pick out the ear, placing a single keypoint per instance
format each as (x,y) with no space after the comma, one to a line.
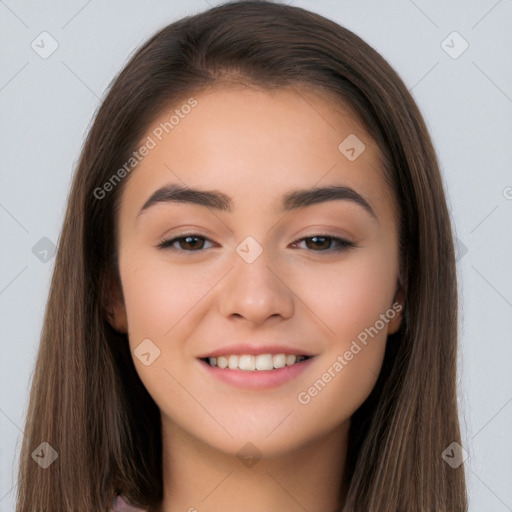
(398,307)
(115,309)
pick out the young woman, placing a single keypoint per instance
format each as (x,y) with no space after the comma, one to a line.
(254,299)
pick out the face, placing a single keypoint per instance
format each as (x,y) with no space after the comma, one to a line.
(254,276)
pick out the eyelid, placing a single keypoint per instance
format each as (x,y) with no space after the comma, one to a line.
(166,242)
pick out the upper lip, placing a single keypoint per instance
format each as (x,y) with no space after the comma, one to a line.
(255,349)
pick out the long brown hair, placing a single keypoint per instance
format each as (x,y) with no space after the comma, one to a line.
(87,400)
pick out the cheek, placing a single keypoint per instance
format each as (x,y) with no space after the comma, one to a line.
(350,296)
(353,308)
(162,303)
(158,296)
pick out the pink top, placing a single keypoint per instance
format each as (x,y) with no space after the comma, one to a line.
(121,504)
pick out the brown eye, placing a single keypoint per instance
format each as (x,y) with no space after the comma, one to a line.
(323,243)
(191,242)
(196,243)
(187,243)
(318,242)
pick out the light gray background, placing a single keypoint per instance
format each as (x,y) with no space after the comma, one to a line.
(47,105)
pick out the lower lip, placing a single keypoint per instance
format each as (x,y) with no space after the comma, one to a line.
(257,379)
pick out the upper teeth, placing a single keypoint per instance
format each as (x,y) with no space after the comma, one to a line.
(250,362)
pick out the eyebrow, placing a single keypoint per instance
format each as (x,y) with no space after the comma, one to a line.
(292,200)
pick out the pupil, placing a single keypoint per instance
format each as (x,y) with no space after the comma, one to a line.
(321,238)
(189,238)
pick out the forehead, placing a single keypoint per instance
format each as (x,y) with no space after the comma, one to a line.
(255,144)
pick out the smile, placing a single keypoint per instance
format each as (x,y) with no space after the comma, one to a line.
(261,362)
(256,372)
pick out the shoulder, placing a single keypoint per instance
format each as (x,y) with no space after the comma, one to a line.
(121,504)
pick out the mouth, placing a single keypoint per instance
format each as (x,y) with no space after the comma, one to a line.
(255,363)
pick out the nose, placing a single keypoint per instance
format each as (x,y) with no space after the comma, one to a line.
(256,291)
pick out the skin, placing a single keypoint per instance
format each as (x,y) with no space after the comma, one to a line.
(254,146)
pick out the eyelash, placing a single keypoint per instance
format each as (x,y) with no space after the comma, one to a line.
(343,245)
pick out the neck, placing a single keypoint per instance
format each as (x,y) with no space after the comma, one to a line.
(200,478)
